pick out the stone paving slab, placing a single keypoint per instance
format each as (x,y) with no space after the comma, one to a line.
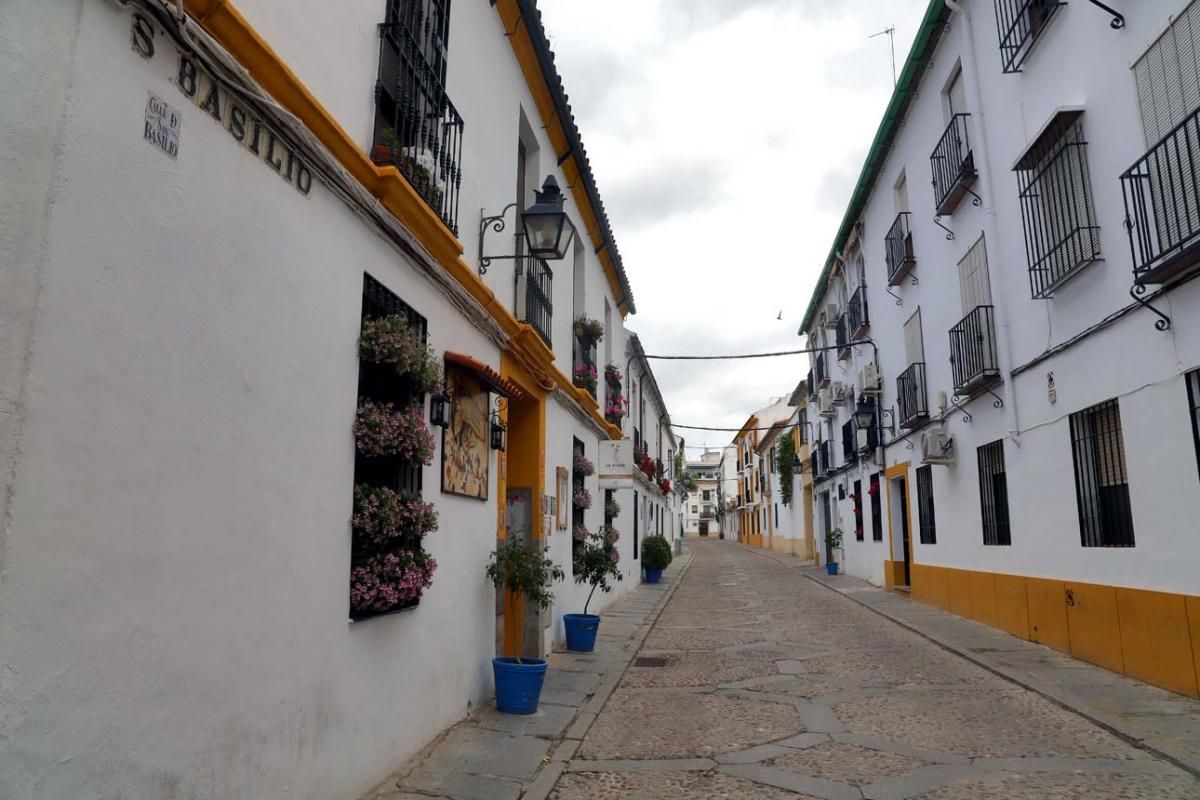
(494,756)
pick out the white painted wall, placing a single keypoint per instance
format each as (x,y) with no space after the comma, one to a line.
(178,370)
(1079,61)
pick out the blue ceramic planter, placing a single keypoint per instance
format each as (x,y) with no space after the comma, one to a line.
(518,686)
(831,567)
(581,631)
(653,575)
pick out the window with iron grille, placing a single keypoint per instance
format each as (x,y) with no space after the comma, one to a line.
(928,532)
(1193,387)
(1101,480)
(858,511)
(381,383)
(1061,234)
(1020,23)
(577,513)
(876,509)
(993,494)
(417,129)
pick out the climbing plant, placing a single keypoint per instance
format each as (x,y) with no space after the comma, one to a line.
(785,462)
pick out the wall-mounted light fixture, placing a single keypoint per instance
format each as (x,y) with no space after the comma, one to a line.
(497,430)
(441,409)
(547,229)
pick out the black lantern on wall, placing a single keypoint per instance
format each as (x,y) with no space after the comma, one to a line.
(546,228)
(864,413)
(441,409)
(499,432)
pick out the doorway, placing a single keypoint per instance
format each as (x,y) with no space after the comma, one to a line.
(826,526)
(901,530)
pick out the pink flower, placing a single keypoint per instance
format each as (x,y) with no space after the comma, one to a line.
(382,430)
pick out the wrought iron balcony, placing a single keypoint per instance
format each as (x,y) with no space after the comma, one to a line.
(417,128)
(1162,206)
(821,374)
(973,351)
(812,386)
(820,459)
(899,249)
(583,365)
(1020,22)
(912,396)
(953,165)
(843,337)
(856,314)
(535,303)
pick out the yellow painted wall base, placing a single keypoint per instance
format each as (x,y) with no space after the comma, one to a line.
(893,574)
(1151,636)
(781,545)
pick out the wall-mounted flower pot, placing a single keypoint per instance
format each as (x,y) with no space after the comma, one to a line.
(581,631)
(831,567)
(518,685)
(653,575)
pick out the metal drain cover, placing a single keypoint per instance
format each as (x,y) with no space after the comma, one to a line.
(649,661)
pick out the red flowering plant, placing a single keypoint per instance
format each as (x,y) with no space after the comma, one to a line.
(382,583)
(646,465)
(586,377)
(391,340)
(665,486)
(380,429)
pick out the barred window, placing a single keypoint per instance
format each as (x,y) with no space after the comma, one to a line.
(876,509)
(1059,218)
(1101,481)
(928,530)
(858,511)
(993,494)
(1193,385)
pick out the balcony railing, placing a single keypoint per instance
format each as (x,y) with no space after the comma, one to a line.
(417,128)
(843,337)
(538,309)
(973,350)
(953,165)
(1162,206)
(857,313)
(821,374)
(820,459)
(1019,23)
(899,249)
(912,396)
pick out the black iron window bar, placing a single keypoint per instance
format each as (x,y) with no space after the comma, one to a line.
(953,165)
(1020,22)
(912,396)
(1101,480)
(1057,212)
(898,250)
(1193,390)
(539,294)
(857,313)
(583,358)
(417,128)
(812,386)
(925,512)
(849,443)
(973,351)
(842,337)
(993,494)
(822,375)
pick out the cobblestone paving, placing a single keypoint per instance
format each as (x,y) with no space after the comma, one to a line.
(763,684)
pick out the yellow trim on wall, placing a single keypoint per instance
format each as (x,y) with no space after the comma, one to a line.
(1151,636)
(234,32)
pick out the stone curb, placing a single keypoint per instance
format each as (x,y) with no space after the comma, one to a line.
(545,780)
(1112,725)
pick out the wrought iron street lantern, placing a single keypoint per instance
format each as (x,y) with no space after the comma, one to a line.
(497,430)
(864,413)
(547,229)
(441,409)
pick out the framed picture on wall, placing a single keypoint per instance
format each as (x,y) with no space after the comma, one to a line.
(562,483)
(465,446)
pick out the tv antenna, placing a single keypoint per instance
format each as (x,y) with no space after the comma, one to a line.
(890,32)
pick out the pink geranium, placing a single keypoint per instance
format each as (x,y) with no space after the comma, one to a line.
(384,582)
(380,429)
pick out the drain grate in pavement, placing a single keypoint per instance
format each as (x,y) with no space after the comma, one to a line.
(649,661)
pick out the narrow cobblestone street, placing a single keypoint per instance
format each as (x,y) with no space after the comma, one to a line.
(759,683)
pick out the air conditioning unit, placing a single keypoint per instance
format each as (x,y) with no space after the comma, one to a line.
(842,392)
(937,447)
(868,378)
(825,402)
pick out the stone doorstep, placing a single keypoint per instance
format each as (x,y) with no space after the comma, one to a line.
(505,756)
(1155,720)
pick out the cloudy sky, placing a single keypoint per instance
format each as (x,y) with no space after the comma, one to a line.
(726,136)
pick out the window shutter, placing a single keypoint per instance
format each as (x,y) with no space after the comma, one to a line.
(914,346)
(973,278)
(1168,76)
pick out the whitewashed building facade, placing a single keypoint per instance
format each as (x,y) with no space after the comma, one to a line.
(201,212)
(701,508)
(1020,251)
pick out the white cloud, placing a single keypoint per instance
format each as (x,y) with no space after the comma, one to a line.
(725,136)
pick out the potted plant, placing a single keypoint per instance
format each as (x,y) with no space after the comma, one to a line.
(381,429)
(595,564)
(526,573)
(391,340)
(833,541)
(656,556)
(586,377)
(589,330)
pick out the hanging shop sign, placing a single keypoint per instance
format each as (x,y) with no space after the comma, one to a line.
(614,464)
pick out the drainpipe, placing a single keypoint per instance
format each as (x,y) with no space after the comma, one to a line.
(989,216)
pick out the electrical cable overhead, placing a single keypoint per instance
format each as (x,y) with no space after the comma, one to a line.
(801,351)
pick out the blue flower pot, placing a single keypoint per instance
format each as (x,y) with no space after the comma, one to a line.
(831,567)
(581,631)
(653,575)
(518,686)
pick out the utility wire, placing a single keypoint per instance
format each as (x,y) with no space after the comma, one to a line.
(759,355)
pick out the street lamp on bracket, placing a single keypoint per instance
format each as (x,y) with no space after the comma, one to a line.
(547,230)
